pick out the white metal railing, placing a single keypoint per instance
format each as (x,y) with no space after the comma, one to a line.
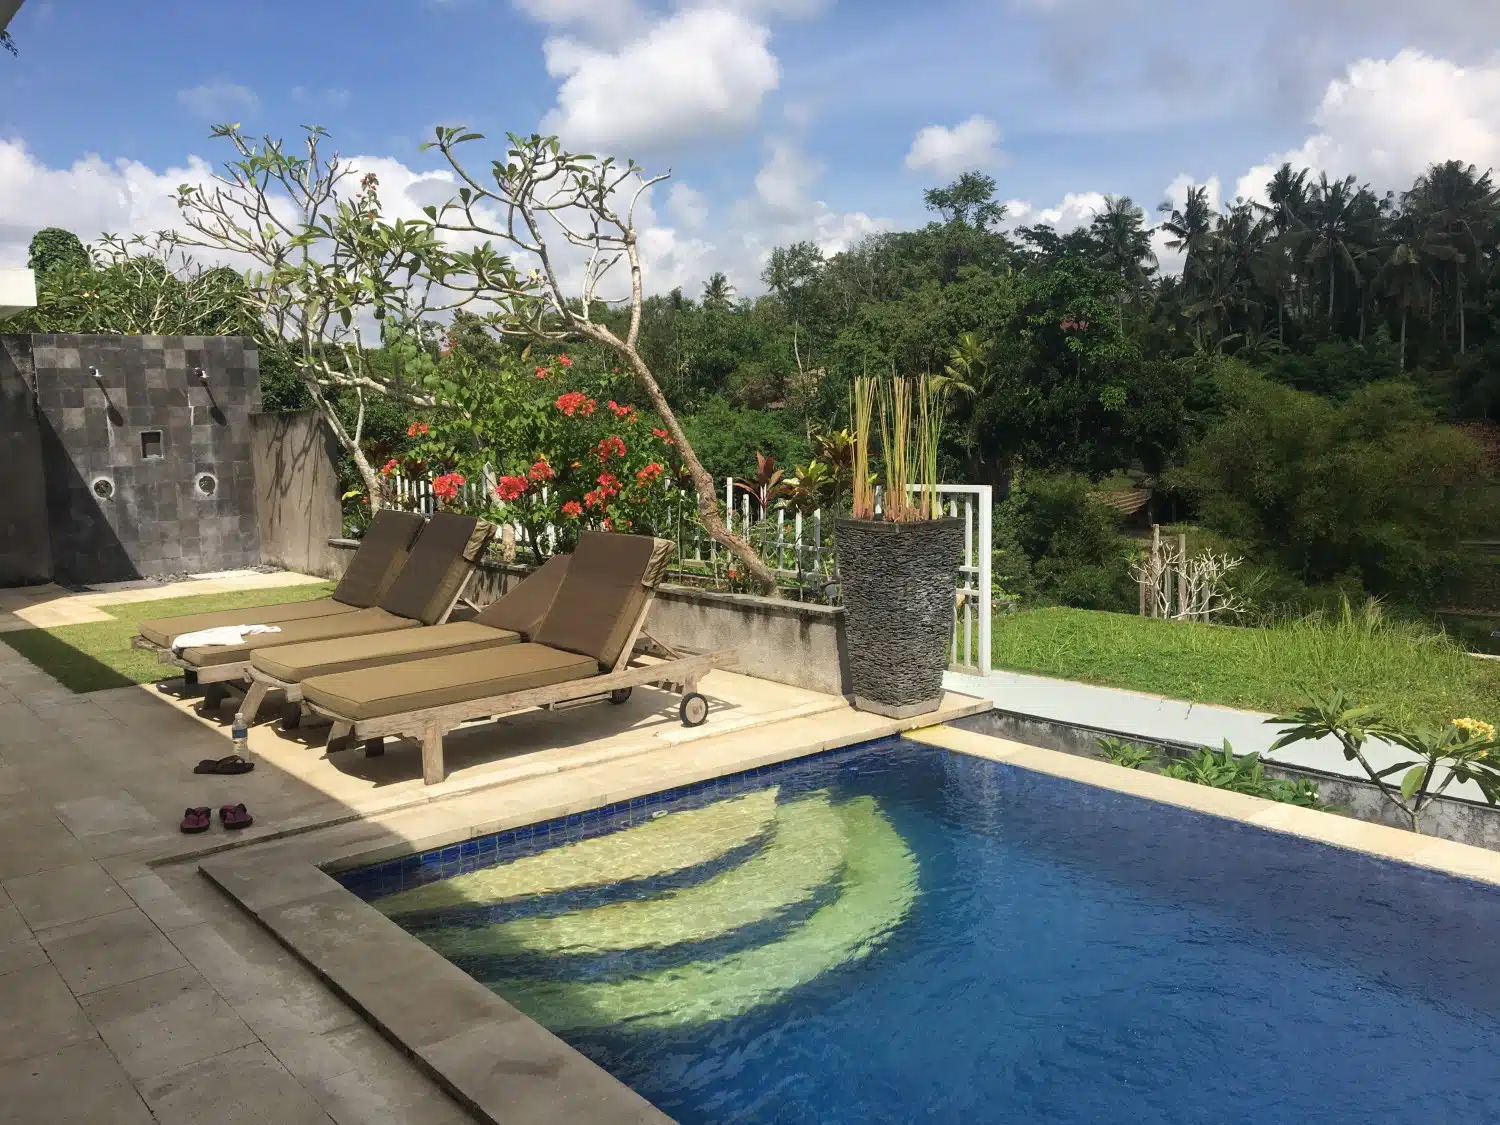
(800,546)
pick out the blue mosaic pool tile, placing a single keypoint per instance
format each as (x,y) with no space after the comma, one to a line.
(472,855)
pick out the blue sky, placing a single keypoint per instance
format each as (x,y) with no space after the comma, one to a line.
(785,118)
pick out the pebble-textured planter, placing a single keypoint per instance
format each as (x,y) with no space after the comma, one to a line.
(898,583)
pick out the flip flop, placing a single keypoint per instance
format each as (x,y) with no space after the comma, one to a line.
(235,816)
(232,764)
(197,820)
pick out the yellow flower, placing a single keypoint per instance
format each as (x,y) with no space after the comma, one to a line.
(1475,729)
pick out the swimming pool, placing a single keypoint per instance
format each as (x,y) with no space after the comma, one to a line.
(898,933)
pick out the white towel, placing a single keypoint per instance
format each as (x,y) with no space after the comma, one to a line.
(223,635)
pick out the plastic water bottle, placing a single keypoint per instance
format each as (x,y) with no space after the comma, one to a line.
(241,735)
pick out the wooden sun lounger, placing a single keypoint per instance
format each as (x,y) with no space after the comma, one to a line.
(409,589)
(637,661)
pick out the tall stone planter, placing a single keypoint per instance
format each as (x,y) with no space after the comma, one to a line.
(898,582)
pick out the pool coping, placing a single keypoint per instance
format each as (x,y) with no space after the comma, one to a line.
(1464,861)
(495,1061)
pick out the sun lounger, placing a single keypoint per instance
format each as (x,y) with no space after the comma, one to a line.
(424,592)
(510,620)
(584,650)
(380,557)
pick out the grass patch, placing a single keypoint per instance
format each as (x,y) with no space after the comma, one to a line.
(98,655)
(1414,675)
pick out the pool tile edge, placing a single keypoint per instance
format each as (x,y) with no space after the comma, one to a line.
(1463,861)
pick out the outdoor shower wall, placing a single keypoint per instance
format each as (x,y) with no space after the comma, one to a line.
(25,550)
(146,453)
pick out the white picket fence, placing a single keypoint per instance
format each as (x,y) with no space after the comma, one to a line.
(802,546)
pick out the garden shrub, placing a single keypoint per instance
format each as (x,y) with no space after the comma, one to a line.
(1074,553)
(1371,491)
(727,438)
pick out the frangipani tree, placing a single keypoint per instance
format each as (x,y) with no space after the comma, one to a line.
(571,219)
(324,268)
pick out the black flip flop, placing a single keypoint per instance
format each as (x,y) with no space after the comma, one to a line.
(196,820)
(235,816)
(232,764)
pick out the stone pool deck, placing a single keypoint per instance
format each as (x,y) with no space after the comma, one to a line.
(45,607)
(133,990)
(1132,714)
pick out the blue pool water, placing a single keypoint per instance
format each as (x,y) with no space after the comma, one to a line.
(900,934)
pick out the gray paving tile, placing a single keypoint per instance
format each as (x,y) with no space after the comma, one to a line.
(79,1085)
(29,848)
(320,1056)
(164,1022)
(38,1014)
(398,1093)
(246,1086)
(160,902)
(102,952)
(18,949)
(68,894)
(113,812)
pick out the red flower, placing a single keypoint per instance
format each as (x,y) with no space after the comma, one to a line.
(661,433)
(588,406)
(626,412)
(614,445)
(389,467)
(607,525)
(446,487)
(571,402)
(416,428)
(572,508)
(564,360)
(541,372)
(594,499)
(510,488)
(609,484)
(541,471)
(649,473)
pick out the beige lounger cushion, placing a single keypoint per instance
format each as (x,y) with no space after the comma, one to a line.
(381,555)
(164,630)
(440,681)
(601,595)
(292,664)
(354,624)
(522,609)
(437,568)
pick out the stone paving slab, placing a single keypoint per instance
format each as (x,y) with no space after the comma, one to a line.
(1131,714)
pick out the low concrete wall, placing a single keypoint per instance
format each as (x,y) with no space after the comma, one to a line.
(782,641)
(296,492)
(1463,821)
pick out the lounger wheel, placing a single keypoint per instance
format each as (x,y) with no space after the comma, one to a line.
(291,716)
(693,710)
(620,694)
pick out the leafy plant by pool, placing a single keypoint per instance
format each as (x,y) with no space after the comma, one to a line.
(1218,769)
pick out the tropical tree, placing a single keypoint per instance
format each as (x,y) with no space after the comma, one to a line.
(1190,228)
(717,292)
(549,207)
(1453,199)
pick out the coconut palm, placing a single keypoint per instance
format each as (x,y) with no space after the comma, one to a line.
(717,291)
(1190,227)
(1408,263)
(1454,200)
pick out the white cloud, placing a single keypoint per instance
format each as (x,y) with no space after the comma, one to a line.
(970,144)
(602,16)
(1076,210)
(1386,120)
(688,206)
(219,99)
(695,74)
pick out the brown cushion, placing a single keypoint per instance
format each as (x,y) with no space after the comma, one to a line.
(164,630)
(601,595)
(353,624)
(381,555)
(522,609)
(294,663)
(442,681)
(437,568)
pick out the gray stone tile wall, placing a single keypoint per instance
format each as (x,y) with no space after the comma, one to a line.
(154,519)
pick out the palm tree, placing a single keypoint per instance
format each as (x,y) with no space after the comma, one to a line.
(1407,266)
(1339,228)
(1190,228)
(1453,200)
(1286,203)
(717,291)
(1124,245)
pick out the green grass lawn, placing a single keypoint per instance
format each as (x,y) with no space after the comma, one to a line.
(1412,675)
(98,655)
